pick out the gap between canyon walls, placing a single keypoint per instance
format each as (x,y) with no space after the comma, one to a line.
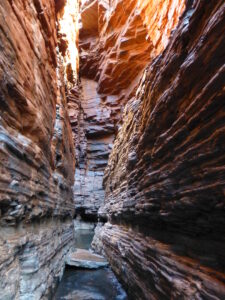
(37,158)
(117,39)
(164,180)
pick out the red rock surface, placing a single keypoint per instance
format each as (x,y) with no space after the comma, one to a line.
(36,152)
(116,41)
(164,181)
(126,35)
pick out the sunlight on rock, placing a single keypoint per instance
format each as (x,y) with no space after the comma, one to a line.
(68,28)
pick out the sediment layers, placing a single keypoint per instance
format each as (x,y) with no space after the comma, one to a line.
(126,35)
(95,133)
(116,42)
(37,157)
(164,182)
(33,258)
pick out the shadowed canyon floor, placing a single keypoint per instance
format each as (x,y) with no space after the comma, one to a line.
(112,117)
(84,284)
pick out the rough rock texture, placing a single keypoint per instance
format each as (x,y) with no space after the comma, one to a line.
(67,16)
(116,41)
(165,178)
(36,152)
(126,35)
(33,258)
(94,133)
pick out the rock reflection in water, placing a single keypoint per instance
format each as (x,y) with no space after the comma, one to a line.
(81,284)
(90,285)
(83,238)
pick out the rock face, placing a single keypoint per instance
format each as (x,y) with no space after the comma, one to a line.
(94,132)
(125,36)
(164,182)
(37,157)
(116,41)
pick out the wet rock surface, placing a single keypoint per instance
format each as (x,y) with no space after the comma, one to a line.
(90,285)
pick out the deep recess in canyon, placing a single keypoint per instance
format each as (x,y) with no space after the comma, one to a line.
(113,112)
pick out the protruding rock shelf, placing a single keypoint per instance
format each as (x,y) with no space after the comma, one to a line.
(84,283)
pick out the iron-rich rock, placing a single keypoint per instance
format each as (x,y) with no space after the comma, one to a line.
(37,157)
(164,182)
(117,39)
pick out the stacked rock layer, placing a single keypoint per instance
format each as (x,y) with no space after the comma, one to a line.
(117,39)
(164,182)
(94,132)
(37,157)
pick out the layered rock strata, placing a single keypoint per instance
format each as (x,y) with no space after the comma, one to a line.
(164,181)
(95,133)
(37,157)
(118,38)
(116,41)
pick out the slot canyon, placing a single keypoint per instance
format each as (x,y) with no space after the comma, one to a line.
(112,117)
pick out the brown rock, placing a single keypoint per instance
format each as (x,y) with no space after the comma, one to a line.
(116,42)
(37,157)
(164,182)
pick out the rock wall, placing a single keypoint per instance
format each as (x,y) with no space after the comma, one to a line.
(116,41)
(37,157)
(95,136)
(125,36)
(164,182)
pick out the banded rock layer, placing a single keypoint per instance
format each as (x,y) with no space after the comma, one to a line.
(164,182)
(36,152)
(117,39)
(94,132)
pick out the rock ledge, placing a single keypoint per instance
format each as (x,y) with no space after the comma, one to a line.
(82,258)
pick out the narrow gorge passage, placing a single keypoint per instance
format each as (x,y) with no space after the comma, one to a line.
(88,283)
(112,149)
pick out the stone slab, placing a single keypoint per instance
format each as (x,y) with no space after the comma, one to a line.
(82,258)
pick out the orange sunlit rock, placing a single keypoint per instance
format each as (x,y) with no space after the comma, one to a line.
(68,32)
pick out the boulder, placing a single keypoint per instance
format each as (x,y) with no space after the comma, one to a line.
(82,258)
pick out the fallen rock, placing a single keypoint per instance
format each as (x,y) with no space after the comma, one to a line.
(82,258)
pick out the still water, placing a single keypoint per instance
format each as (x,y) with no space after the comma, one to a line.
(80,284)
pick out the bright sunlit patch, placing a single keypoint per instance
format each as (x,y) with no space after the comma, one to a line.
(69,27)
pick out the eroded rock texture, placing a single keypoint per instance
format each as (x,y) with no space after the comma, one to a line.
(94,135)
(165,178)
(118,38)
(36,152)
(116,41)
